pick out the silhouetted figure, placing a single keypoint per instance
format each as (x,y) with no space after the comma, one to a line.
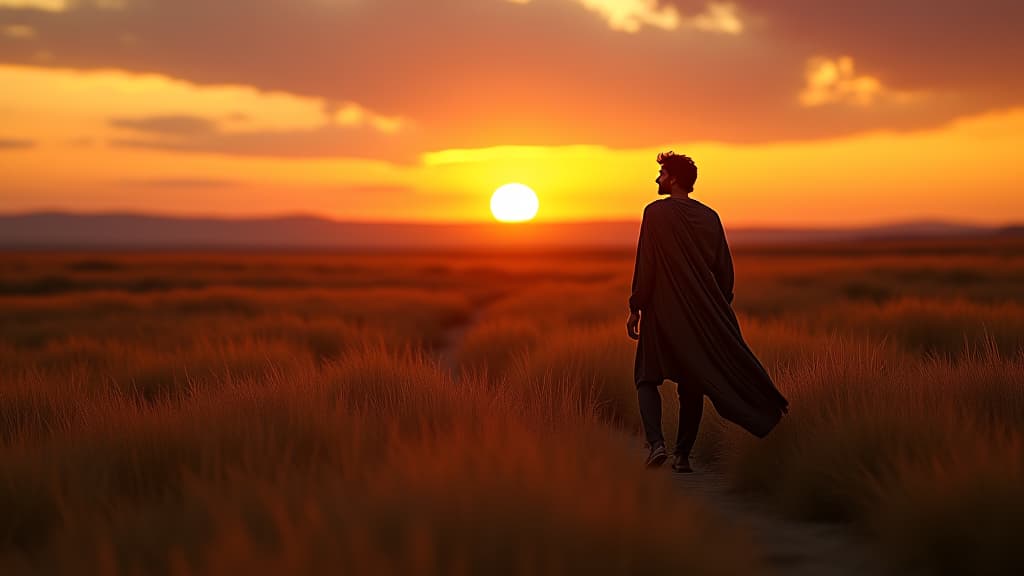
(681,313)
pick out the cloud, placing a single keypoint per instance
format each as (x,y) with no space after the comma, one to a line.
(179,183)
(910,45)
(352,114)
(45,5)
(834,80)
(718,17)
(15,144)
(633,15)
(205,135)
(146,111)
(167,125)
(18,31)
(64,5)
(430,76)
(100,94)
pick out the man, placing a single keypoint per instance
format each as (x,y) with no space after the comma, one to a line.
(681,313)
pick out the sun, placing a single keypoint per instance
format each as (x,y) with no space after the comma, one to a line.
(514,203)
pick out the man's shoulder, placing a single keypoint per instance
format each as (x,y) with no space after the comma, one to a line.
(707,213)
(704,207)
(655,205)
(662,204)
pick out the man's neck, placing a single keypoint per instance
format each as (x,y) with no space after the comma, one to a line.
(680,195)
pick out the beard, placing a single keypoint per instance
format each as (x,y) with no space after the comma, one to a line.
(663,190)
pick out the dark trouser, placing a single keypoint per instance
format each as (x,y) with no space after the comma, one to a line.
(691,408)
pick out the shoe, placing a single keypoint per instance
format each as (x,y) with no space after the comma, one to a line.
(681,463)
(657,456)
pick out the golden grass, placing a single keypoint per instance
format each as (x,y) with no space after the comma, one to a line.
(935,326)
(922,453)
(377,462)
(209,432)
(206,413)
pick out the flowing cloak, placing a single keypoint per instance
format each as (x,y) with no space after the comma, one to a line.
(683,287)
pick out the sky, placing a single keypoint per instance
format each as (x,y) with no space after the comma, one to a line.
(797,112)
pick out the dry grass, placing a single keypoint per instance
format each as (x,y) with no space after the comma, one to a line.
(375,462)
(204,413)
(923,454)
(305,430)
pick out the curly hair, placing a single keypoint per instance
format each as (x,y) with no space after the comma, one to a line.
(680,167)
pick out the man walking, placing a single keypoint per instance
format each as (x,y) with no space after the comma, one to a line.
(681,313)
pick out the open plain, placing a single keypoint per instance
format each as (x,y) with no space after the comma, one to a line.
(460,413)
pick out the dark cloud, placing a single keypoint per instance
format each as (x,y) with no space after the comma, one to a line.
(473,73)
(197,134)
(960,46)
(15,144)
(179,183)
(167,125)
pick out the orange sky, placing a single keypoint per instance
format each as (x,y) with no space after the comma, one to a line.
(403,110)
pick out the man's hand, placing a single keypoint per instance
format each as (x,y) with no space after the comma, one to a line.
(631,325)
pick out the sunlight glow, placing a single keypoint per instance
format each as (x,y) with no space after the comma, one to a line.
(514,203)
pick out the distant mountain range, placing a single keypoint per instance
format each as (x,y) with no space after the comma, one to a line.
(124,230)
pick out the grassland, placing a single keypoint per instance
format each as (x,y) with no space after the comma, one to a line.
(194,413)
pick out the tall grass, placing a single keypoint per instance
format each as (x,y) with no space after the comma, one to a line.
(921,453)
(406,315)
(945,327)
(907,400)
(203,413)
(377,462)
(220,439)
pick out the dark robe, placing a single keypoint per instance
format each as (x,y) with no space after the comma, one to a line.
(683,288)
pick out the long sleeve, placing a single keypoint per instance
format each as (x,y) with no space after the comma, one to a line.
(643,269)
(724,274)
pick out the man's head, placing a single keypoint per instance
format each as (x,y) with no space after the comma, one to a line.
(677,171)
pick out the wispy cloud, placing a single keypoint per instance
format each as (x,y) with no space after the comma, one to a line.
(194,134)
(167,125)
(16,144)
(718,17)
(836,81)
(65,5)
(178,183)
(18,31)
(46,5)
(634,15)
(352,114)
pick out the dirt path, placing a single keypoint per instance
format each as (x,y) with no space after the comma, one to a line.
(445,353)
(450,343)
(788,547)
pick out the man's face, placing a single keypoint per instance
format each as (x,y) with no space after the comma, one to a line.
(664,182)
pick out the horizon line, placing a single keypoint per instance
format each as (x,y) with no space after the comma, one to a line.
(917,221)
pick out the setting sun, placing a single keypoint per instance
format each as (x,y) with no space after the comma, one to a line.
(514,203)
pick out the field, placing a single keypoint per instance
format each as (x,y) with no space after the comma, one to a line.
(459,413)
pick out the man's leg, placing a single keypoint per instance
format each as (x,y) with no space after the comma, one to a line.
(691,408)
(650,412)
